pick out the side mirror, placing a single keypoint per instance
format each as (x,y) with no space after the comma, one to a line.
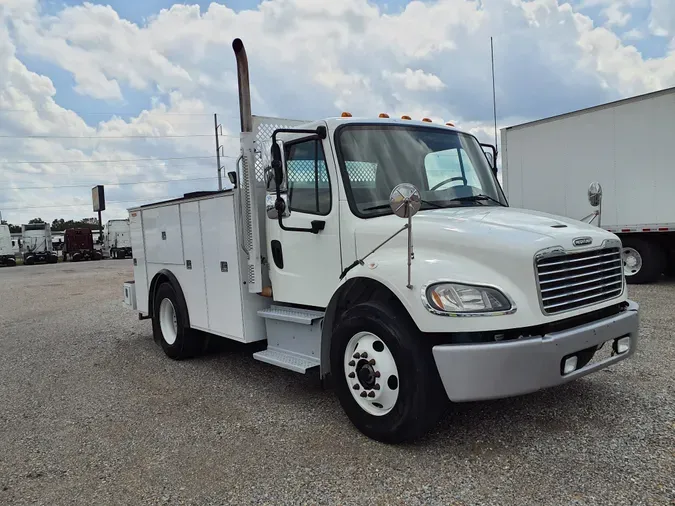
(405,200)
(595,194)
(277,166)
(271,206)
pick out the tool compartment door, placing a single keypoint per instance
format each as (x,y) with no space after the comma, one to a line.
(138,253)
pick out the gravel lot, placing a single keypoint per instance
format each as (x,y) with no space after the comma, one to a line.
(92,412)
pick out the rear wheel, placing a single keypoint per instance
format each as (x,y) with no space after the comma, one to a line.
(385,375)
(169,325)
(643,261)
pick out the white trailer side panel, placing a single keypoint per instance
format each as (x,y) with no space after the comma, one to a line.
(193,281)
(548,165)
(140,269)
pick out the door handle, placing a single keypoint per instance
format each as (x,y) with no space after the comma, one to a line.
(317,226)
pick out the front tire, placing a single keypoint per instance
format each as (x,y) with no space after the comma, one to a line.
(404,397)
(169,325)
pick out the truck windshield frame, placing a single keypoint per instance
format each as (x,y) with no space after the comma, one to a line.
(425,156)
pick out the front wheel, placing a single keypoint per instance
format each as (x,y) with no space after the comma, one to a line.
(385,375)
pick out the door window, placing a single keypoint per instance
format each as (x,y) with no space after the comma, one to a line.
(307,177)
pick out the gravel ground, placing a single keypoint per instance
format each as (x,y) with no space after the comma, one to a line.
(93,413)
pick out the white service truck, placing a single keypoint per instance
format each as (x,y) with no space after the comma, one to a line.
(37,244)
(382,252)
(117,239)
(625,147)
(7,255)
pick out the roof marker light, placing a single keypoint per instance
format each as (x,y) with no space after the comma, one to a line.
(450,124)
(383,115)
(346,114)
(427,120)
(405,117)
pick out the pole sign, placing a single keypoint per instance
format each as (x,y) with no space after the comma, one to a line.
(98,198)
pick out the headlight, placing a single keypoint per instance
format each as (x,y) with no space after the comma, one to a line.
(460,298)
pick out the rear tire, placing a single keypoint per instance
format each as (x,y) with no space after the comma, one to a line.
(409,401)
(169,325)
(643,261)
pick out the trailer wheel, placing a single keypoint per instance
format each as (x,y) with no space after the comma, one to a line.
(30,260)
(385,375)
(643,261)
(168,325)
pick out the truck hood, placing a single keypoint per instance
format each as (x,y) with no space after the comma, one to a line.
(473,229)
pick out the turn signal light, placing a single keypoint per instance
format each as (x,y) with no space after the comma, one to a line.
(427,120)
(383,115)
(346,114)
(405,117)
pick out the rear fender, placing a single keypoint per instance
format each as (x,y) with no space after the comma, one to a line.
(166,276)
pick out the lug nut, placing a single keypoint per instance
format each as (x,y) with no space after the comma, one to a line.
(351,375)
(364,355)
(377,374)
(356,355)
(363,394)
(370,394)
(356,387)
(377,386)
(352,363)
(371,361)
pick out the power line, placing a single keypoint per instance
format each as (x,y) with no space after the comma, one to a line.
(50,162)
(74,176)
(110,113)
(110,183)
(89,203)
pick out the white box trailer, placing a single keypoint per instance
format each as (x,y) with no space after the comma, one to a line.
(117,238)
(625,146)
(382,253)
(7,255)
(37,244)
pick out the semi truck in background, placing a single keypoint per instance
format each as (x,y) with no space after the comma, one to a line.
(381,252)
(625,147)
(7,255)
(78,244)
(37,244)
(117,240)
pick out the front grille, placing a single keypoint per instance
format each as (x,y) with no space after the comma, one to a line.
(573,280)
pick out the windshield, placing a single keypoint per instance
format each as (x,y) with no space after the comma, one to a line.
(449,168)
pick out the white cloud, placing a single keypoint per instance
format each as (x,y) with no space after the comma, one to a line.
(662,18)
(309,59)
(415,80)
(633,34)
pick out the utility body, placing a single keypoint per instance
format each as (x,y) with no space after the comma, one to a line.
(382,252)
(117,239)
(78,244)
(625,146)
(37,244)
(7,255)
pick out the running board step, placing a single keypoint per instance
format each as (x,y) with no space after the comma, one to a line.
(290,314)
(287,360)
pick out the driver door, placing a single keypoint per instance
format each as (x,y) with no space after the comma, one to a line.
(304,267)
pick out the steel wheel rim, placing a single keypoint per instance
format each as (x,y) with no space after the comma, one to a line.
(632,261)
(370,369)
(168,322)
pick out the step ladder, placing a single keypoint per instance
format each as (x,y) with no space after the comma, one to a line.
(293,338)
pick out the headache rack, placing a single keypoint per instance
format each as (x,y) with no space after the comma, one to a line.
(571,280)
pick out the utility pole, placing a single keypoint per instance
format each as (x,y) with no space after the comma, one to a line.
(220,175)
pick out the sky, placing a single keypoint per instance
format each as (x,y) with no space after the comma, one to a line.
(123,93)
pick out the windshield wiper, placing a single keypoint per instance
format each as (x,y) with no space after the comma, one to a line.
(477,198)
(387,206)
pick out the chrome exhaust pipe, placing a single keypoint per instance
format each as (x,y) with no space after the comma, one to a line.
(244,88)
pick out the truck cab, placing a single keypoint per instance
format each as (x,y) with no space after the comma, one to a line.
(37,244)
(384,253)
(78,244)
(7,255)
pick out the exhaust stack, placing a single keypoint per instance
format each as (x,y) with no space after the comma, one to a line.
(244,88)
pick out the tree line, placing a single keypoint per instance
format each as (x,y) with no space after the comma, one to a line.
(58,225)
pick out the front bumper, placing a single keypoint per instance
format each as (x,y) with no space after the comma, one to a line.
(504,369)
